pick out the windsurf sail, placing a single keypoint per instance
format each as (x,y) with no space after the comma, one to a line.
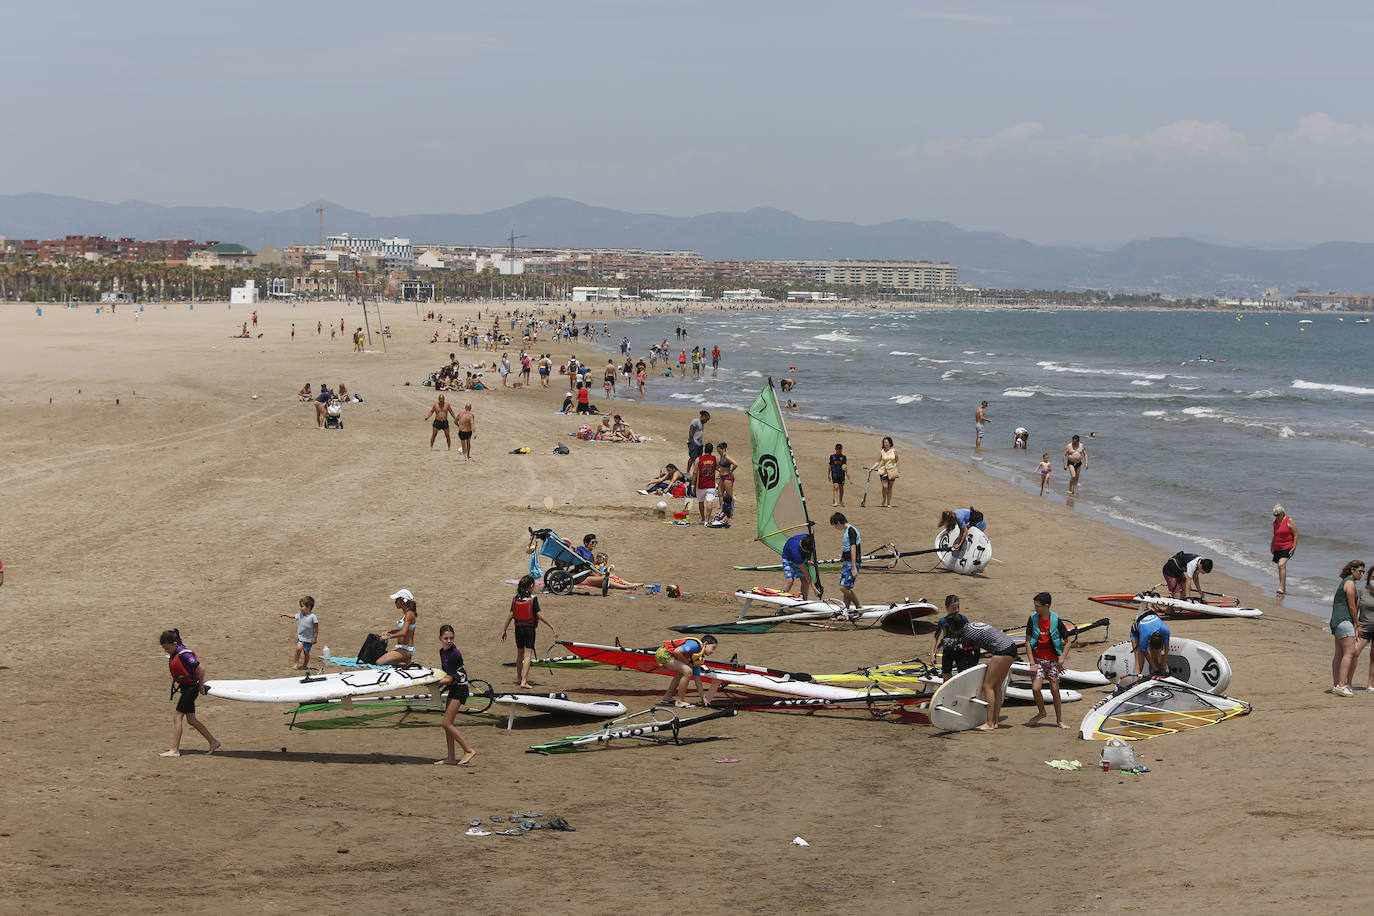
(1164,706)
(659,720)
(779,500)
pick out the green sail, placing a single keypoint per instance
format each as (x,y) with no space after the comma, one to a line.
(781,505)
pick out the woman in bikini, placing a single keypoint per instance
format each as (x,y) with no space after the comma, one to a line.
(403,653)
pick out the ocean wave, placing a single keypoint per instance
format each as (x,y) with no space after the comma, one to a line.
(685,396)
(927,359)
(1200,412)
(899,353)
(1153,413)
(1021,392)
(950,373)
(806,347)
(753,373)
(1264,393)
(1339,389)
(1051,366)
(907,398)
(1213,547)
(836,337)
(1141,381)
(1185,387)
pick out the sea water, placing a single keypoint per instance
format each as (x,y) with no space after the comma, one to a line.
(1196,423)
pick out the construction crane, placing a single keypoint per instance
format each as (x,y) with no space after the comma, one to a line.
(511,268)
(319,211)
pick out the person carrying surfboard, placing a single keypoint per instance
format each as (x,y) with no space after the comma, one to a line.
(188,682)
(1047,637)
(456,680)
(684,658)
(1001,649)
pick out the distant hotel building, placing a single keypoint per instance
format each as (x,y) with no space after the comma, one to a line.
(887,276)
(398,252)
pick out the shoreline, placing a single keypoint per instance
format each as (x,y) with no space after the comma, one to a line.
(190,504)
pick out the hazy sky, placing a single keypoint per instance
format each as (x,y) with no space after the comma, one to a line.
(1091,121)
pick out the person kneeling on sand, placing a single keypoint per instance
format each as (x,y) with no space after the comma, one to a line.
(684,657)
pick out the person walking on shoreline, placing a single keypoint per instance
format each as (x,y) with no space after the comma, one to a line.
(1075,457)
(1283,546)
(1345,608)
(887,468)
(980,417)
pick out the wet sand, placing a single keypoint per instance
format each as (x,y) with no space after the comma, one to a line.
(190,504)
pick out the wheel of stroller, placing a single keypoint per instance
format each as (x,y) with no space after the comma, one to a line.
(558,581)
(479,695)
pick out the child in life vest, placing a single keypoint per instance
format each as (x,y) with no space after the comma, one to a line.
(188,682)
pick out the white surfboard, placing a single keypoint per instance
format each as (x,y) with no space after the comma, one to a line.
(959,705)
(1176,607)
(1021,691)
(315,688)
(1023,670)
(801,609)
(557,703)
(1190,661)
(975,554)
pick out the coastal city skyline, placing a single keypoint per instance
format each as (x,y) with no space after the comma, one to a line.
(1064,122)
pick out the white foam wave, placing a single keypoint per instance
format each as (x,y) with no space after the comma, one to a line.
(1153,413)
(1202,412)
(899,353)
(1050,366)
(1021,392)
(1185,387)
(806,347)
(753,373)
(1339,389)
(836,337)
(1142,381)
(685,396)
(1263,393)
(907,398)
(951,373)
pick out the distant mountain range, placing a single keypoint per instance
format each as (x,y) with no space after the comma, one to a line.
(1177,266)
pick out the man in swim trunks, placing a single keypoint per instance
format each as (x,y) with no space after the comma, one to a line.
(1075,457)
(980,416)
(850,552)
(441,411)
(466,424)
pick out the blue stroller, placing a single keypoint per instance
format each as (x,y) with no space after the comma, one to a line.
(568,568)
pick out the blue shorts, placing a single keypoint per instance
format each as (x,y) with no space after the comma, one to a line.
(305,646)
(847,574)
(791,570)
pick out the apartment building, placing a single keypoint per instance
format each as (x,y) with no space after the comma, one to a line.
(399,252)
(887,276)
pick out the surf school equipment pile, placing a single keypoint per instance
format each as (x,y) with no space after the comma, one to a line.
(884,557)
(649,725)
(1190,660)
(1164,706)
(795,613)
(314,688)
(1176,607)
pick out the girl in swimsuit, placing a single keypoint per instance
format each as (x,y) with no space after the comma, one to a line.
(404,651)
(726,478)
(1044,469)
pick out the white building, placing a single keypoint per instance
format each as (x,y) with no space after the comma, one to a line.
(247,294)
(744,295)
(397,249)
(677,295)
(595,293)
(797,295)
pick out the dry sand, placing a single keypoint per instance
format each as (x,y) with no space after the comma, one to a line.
(189,504)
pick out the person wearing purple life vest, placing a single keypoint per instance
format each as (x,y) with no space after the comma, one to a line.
(188,682)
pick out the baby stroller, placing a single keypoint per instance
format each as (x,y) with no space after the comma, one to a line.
(568,568)
(333,414)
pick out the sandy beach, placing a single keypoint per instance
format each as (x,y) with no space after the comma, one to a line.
(146,488)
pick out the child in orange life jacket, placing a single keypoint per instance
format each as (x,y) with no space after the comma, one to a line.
(188,682)
(524,611)
(684,657)
(1048,640)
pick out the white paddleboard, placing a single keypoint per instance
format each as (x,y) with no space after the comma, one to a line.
(1175,607)
(798,609)
(557,703)
(971,558)
(959,705)
(1022,669)
(316,688)
(1190,661)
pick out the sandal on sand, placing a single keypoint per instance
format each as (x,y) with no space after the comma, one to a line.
(514,831)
